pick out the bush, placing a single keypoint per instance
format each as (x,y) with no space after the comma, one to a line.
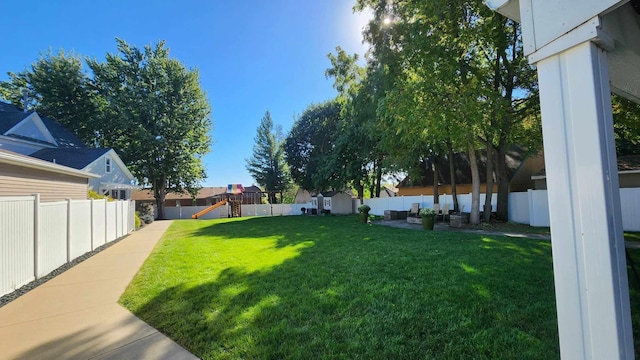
(94,195)
(137,220)
(147,218)
(364,208)
(427,212)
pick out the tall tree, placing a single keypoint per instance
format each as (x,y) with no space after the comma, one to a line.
(309,145)
(56,87)
(155,115)
(267,164)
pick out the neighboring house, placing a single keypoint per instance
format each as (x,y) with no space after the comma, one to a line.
(388,191)
(24,175)
(37,136)
(520,168)
(115,179)
(628,173)
(206,196)
(302,196)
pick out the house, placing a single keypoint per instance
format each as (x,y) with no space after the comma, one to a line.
(520,168)
(206,196)
(22,175)
(30,134)
(302,196)
(115,179)
(628,173)
(388,191)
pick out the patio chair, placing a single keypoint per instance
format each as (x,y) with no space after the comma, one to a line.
(415,210)
(445,211)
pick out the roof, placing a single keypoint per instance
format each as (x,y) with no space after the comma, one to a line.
(11,116)
(626,163)
(9,157)
(514,158)
(77,158)
(203,193)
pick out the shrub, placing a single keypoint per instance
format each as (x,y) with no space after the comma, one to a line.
(364,208)
(94,195)
(147,218)
(137,220)
(427,212)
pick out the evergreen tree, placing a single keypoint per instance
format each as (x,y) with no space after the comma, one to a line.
(267,164)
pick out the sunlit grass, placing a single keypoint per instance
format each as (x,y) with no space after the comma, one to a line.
(309,287)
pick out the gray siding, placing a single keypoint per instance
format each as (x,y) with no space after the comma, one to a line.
(19,181)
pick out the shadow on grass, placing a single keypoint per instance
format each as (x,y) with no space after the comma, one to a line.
(365,292)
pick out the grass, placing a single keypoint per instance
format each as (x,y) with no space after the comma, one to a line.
(331,287)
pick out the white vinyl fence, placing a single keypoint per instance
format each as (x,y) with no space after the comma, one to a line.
(185,212)
(37,238)
(379,205)
(531,207)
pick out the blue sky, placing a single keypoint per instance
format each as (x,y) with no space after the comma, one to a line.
(252,55)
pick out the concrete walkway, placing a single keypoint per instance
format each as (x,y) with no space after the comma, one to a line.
(76,314)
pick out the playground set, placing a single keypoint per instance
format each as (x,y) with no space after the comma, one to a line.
(233,197)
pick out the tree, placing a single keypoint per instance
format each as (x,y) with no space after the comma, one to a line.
(309,145)
(155,115)
(56,87)
(267,165)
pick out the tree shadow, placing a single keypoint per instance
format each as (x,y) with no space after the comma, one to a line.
(367,292)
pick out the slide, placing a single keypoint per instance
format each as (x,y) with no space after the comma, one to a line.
(212,207)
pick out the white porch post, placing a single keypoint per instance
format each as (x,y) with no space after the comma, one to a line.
(594,317)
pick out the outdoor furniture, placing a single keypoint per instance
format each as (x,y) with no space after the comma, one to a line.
(414,211)
(445,211)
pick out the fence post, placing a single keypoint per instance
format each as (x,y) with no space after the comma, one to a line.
(36,232)
(91,216)
(68,230)
(106,221)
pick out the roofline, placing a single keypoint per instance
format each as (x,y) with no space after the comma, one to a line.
(17,139)
(33,163)
(115,157)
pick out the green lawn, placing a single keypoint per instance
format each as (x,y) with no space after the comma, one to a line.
(309,287)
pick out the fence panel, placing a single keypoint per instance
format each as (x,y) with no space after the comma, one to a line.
(80,229)
(110,221)
(132,216)
(99,227)
(52,245)
(256,210)
(630,207)
(16,242)
(539,208)
(519,207)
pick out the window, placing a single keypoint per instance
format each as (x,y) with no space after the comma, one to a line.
(114,194)
(107,167)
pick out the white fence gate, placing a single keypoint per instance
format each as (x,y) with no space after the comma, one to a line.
(37,238)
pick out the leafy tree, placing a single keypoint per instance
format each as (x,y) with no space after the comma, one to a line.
(267,164)
(309,145)
(156,116)
(56,87)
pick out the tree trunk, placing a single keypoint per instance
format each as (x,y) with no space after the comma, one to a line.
(475,186)
(452,174)
(378,177)
(489,191)
(159,193)
(434,167)
(502,211)
(360,190)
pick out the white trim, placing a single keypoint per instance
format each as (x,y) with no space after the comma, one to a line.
(114,157)
(7,157)
(37,121)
